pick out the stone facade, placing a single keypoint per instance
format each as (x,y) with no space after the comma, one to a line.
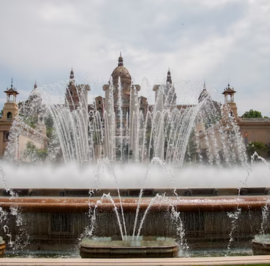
(26,133)
(255,129)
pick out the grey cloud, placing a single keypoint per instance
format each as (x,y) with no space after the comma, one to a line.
(218,42)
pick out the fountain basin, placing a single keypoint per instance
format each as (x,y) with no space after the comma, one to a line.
(150,247)
(2,247)
(75,204)
(261,244)
(60,221)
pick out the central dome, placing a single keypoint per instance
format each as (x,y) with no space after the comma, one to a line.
(121,72)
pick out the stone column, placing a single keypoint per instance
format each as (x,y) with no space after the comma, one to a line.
(133,121)
(109,123)
(159,137)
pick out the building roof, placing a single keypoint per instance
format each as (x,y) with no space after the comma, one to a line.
(229,90)
(11,91)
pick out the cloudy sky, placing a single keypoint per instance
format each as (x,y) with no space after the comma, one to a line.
(216,41)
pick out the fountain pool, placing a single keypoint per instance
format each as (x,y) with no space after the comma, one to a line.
(168,172)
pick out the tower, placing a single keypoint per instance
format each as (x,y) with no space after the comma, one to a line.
(169,78)
(165,95)
(229,100)
(121,109)
(10,109)
(72,97)
(204,94)
(76,95)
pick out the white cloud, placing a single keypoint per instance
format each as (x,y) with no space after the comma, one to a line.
(216,41)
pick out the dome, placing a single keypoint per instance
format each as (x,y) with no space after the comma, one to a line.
(121,72)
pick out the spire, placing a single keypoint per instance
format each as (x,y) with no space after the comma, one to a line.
(228,84)
(71,74)
(120,60)
(35,86)
(11,83)
(169,78)
(204,85)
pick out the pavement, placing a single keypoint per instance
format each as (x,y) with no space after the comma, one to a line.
(245,260)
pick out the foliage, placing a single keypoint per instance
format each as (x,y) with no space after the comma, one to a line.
(268,149)
(1,113)
(41,154)
(34,154)
(49,132)
(31,121)
(252,114)
(48,121)
(258,147)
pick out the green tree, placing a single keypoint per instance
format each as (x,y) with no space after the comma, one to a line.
(34,154)
(268,149)
(258,147)
(48,121)
(252,114)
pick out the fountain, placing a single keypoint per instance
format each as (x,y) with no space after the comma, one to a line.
(261,244)
(149,247)
(128,176)
(2,247)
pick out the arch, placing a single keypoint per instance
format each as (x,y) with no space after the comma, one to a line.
(9,115)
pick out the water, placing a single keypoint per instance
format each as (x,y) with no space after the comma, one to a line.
(126,147)
(74,253)
(124,133)
(133,176)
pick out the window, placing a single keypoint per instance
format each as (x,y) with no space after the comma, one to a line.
(99,102)
(9,115)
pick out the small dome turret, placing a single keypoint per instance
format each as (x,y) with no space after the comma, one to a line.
(121,72)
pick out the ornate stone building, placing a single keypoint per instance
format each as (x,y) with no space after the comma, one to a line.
(121,104)
(165,97)
(22,134)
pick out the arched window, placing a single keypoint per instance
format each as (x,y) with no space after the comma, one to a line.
(9,115)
